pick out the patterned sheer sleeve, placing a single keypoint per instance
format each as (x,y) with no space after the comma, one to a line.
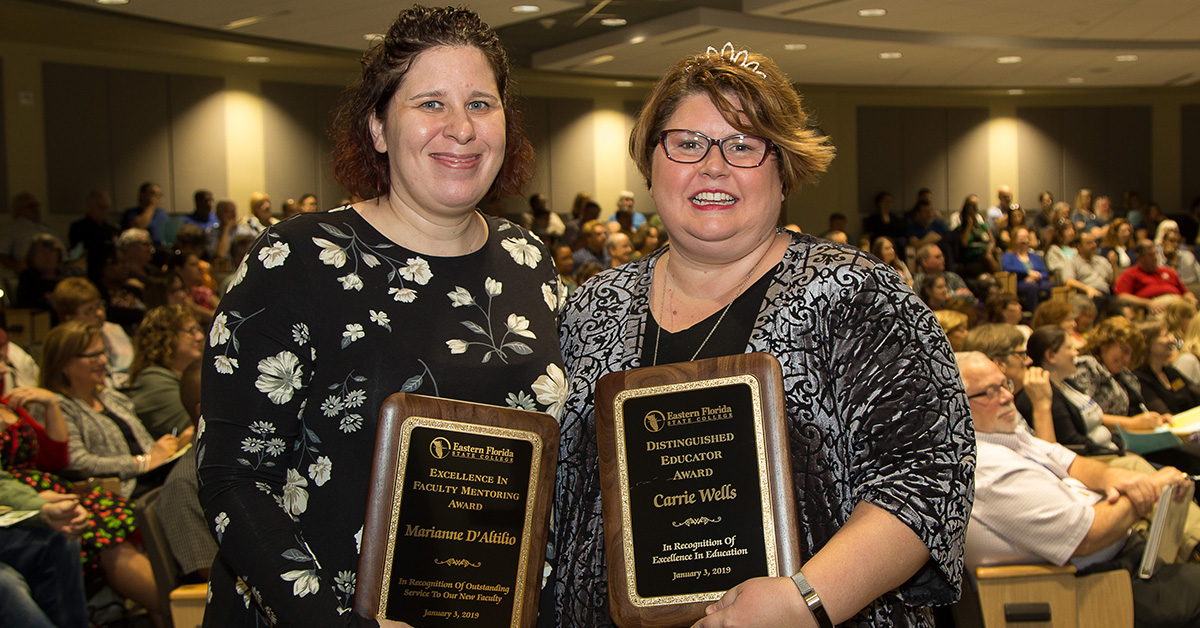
(259,359)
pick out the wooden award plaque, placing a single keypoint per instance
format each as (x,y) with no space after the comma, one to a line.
(456,523)
(696,485)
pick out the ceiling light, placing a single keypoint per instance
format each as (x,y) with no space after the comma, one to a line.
(1074,80)
(597,60)
(795,46)
(257,59)
(637,40)
(1015,92)
(1126,58)
(890,55)
(624,83)
(872,12)
(1008,59)
(526,8)
(613,21)
(112,2)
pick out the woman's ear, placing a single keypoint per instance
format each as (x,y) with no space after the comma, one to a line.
(377,136)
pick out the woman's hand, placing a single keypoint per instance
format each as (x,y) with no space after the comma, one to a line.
(185,436)
(766,602)
(1033,275)
(63,513)
(1145,421)
(25,396)
(164,448)
(1036,384)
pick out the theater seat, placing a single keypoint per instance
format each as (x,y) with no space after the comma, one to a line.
(1045,596)
(183,605)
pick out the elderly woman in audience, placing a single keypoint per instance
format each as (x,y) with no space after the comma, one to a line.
(1060,249)
(169,340)
(43,271)
(1033,279)
(1119,246)
(76,299)
(1164,388)
(883,248)
(31,452)
(106,437)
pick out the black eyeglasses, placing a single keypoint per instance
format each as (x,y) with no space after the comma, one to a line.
(993,392)
(1020,354)
(740,151)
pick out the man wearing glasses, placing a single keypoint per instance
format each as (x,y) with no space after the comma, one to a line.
(1004,345)
(1038,502)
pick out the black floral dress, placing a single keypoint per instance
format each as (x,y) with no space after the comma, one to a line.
(323,321)
(25,447)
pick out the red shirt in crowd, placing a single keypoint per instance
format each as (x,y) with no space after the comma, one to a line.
(1139,283)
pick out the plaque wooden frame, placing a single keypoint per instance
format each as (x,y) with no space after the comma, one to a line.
(763,373)
(386,492)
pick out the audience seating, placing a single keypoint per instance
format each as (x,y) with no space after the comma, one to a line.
(1044,596)
(183,605)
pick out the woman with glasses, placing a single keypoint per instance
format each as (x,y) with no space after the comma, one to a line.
(168,341)
(77,299)
(881,453)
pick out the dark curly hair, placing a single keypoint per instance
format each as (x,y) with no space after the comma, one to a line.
(362,170)
(154,340)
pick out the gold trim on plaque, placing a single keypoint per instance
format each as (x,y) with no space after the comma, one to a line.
(535,465)
(768,514)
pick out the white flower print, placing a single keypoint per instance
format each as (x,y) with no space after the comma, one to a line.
(275,446)
(522,400)
(295,498)
(416,271)
(253,445)
(460,297)
(456,346)
(274,255)
(522,251)
(225,365)
(350,423)
(243,591)
(345,581)
(358,541)
(355,398)
(351,282)
(300,334)
(381,319)
(353,332)
(280,377)
(519,325)
(551,390)
(493,287)
(305,581)
(403,295)
(320,470)
(238,276)
(219,334)
(550,296)
(262,428)
(331,254)
(332,406)
(222,522)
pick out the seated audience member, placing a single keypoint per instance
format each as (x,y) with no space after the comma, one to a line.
(41,584)
(241,245)
(1188,362)
(178,503)
(1102,373)
(290,208)
(583,211)
(202,217)
(884,223)
(1149,285)
(95,233)
(1088,272)
(1178,315)
(625,220)
(76,299)
(954,324)
(976,245)
(925,229)
(933,292)
(169,340)
(594,249)
(1004,345)
(1164,388)
(1150,220)
(137,257)
(1078,420)
(620,249)
(1056,312)
(189,269)
(259,217)
(308,203)
(837,224)
(885,250)
(931,261)
(1060,248)
(218,239)
(1029,507)
(1178,258)
(1102,216)
(1033,281)
(1119,246)
(19,367)
(1005,308)
(43,270)
(545,223)
(645,240)
(1043,218)
(565,265)
(190,241)
(586,271)
(1007,226)
(997,212)
(106,437)
(148,215)
(20,231)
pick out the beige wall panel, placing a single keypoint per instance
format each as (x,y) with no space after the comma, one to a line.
(633,178)
(197,143)
(571,147)
(1128,147)
(139,121)
(1190,160)
(1040,156)
(924,159)
(967,160)
(78,136)
(290,135)
(535,117)
(1085,150)
(880,160)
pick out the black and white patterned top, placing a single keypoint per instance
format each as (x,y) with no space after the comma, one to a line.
(876,407)
(324,320)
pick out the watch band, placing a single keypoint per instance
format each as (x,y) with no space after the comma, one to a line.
(812,600)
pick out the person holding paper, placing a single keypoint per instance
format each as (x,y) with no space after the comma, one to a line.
(879,432)
(413,290)
(1040,502)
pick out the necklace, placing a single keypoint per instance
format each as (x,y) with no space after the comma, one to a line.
(724,310)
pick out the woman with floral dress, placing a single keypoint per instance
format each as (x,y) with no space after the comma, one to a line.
(330,313)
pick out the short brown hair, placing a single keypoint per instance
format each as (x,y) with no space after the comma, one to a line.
(1114,329)
(994,339)
(64,342)
(154,340)
(70,294)
(361,169)
(770,107)
(1052,312)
